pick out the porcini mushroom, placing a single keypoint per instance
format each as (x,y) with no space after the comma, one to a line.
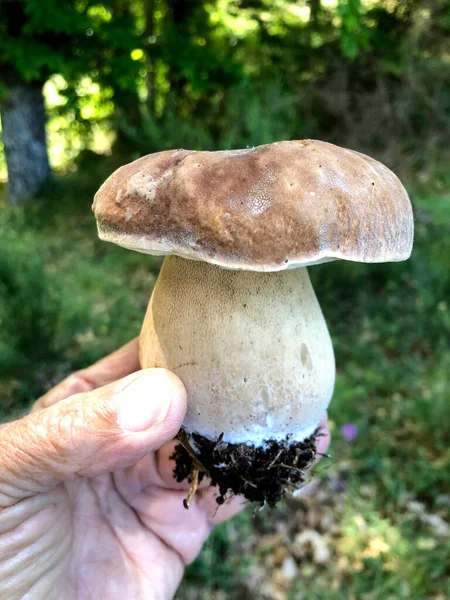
(233,312)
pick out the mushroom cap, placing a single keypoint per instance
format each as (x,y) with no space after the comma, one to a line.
(268,208)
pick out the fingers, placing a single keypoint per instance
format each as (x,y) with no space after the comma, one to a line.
(185,531)
(323,441)
(111,368)
(119,364)
(90,433)
(322,444)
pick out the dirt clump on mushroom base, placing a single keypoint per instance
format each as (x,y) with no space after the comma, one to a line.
(261,474)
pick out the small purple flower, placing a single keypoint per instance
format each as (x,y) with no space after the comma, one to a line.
(349,432)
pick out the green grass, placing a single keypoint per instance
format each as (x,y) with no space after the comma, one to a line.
(67,299)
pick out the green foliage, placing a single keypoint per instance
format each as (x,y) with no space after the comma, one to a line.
(39,38)
(62,299)
(270,115)
(354,36)
(226,73)
(30,306)
(77,39)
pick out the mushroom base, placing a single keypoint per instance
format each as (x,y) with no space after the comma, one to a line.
(262,474)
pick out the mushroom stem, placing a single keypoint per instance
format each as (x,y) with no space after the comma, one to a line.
(252,349)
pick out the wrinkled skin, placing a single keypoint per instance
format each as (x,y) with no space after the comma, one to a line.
(90,510)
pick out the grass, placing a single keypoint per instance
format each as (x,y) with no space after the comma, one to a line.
(382,500)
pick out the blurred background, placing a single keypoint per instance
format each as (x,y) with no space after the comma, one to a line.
(106,82)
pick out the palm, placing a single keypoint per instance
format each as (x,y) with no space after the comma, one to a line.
(115,549)
(124,534)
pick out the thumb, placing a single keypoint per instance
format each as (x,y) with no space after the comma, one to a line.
(89,434)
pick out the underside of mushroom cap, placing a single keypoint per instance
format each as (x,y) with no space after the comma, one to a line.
(268,208)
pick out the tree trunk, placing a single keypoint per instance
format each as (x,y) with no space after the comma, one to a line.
(24,140)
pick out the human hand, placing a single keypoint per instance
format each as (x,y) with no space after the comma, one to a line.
(88,508)
(88,504)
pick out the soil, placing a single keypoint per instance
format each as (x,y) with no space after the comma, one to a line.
(262,474)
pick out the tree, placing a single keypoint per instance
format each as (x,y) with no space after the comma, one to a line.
(75,38)
(24,140)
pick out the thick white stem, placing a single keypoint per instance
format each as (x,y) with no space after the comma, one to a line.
(252,349)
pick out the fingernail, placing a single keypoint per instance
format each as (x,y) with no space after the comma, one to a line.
(145,401)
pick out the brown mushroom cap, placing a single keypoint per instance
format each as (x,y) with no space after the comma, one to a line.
(287,204)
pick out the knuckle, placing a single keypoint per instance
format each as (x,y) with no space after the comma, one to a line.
(75,383)
(80,382)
